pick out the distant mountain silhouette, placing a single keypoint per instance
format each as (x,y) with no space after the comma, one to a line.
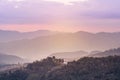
(10,59)
(111,52)
(6,36)
(63,42)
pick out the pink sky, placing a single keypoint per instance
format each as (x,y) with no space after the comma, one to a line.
(31,15)
(28,28)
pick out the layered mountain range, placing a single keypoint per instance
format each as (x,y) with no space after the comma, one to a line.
(40,43)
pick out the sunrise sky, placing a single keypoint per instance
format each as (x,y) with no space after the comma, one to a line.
(60,15)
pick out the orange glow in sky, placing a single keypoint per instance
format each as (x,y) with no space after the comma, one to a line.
(29,28)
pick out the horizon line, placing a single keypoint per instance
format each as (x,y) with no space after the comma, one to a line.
(61,31)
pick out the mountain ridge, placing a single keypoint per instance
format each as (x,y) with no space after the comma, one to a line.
(110,52)
(7,36)
(43,46)
(10,59)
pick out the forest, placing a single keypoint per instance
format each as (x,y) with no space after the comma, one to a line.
(87,68)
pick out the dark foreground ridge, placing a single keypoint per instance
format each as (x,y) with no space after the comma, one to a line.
(87,68)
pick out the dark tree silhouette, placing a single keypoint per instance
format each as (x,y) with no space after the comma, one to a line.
(87,68)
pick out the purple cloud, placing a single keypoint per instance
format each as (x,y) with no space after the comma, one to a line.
(43,12)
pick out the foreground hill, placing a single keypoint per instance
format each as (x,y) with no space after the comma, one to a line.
(10,59)
(43,46)
(88,68)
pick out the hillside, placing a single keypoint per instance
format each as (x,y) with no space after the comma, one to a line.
(88,68)
(10,59)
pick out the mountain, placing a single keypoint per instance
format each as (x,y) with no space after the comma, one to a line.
(70,56)
(6,36)
(43,46)
(111,52)
(10,59)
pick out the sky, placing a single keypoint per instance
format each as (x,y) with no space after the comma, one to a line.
(60,15)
